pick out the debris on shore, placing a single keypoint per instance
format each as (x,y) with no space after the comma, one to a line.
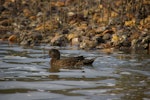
(87,24)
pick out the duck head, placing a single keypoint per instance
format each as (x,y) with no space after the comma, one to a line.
(54,54)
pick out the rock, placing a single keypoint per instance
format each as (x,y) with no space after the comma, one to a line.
(108,32)
(30,38)
(130,23)
(115,38)
(36,36)
(68,2)
(26,42)
(6,22)
(5,29)
(70,14)
(145,42)
(133,44)
(59,40)
(100,29)
(106,36)
(65,31)
(126,43)
(2,8)
(75,41)
(5,37)
(59,4)
(99,39)
(71,36)
(36,39)
(12,38)
(88,44)
(143,12)
(27,12)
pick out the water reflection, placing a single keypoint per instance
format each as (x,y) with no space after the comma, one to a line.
(25,72)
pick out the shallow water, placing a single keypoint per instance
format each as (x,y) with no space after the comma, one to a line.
(25,75)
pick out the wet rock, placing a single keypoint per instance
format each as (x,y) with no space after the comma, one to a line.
(31,38)
(59,40)
(26,42)
(104,45)
(4,37)
(88,44)
(36,39)
(37,36)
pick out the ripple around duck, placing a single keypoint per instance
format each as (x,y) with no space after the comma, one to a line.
(24,72)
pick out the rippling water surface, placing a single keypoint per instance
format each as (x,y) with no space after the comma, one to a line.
(25,75)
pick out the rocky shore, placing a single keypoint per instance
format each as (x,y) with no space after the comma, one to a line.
(87,24)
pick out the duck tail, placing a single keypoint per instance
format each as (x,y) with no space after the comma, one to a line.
(88,61)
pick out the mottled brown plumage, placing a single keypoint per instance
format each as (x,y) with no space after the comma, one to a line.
(69,63)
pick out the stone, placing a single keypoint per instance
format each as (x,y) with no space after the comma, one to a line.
(106,36)
(37,36)
(12,38)
(115,38)
(75,41)
(71,36)
(88,44)
(59,40)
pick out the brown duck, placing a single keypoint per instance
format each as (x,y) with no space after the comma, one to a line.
(69,63)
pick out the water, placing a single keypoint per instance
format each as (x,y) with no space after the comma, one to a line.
(25,75)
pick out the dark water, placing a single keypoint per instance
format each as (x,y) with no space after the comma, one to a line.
(25,75)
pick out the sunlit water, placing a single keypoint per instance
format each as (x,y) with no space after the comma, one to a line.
(25,75)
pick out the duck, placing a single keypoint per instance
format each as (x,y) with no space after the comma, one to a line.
(70,63)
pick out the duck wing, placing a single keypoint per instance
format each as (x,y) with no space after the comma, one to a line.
(88,61)
(79,58)
(85,62)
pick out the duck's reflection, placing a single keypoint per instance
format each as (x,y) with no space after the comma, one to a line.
(54,70)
